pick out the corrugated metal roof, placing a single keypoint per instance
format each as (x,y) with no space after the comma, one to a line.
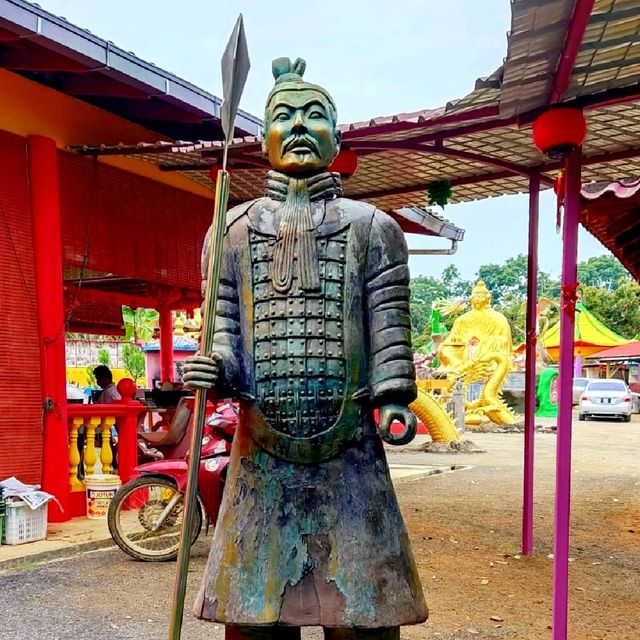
(481,143)
(180,343)
(535,44)
(609,56)
(623,352)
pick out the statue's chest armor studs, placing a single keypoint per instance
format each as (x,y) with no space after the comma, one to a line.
(300,366)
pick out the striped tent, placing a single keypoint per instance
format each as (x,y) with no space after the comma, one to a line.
(590,335)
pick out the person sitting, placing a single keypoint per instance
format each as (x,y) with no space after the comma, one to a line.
(104,378)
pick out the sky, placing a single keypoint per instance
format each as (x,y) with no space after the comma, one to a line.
(375,57)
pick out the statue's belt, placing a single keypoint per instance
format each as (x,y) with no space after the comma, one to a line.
(306,450)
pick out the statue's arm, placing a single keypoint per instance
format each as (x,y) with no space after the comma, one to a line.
(226,339)
(391,370)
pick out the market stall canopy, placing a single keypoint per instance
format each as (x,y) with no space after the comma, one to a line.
(590,336)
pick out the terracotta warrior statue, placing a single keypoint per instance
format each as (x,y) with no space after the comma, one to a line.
(312,335)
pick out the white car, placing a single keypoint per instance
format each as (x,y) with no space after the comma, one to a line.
(605,399)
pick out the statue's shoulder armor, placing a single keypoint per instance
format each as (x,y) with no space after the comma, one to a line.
(356,210)
(238,212)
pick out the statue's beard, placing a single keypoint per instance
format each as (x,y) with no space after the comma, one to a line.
(295,238)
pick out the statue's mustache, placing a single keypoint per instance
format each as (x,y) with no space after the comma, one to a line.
(300,141)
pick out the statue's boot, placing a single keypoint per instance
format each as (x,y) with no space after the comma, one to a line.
(275,632)
(383,633)
(293,633)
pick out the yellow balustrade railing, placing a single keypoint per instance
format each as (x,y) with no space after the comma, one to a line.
(91,426)
(88,421)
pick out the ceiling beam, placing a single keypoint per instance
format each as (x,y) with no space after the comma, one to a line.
(90,294)
(575,34)
(44,60)
(414,188)
(436,149)
(101,86)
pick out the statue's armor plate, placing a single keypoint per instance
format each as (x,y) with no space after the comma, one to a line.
(299,340)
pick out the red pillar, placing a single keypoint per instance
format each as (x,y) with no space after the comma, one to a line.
(128,431)
(47,249)
(530,369)
(166,344)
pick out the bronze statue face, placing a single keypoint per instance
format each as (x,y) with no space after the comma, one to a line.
(301,137)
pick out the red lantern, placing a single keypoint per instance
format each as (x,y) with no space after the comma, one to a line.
(558,131)
(345,163)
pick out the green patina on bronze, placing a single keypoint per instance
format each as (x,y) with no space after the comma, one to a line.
(313,333)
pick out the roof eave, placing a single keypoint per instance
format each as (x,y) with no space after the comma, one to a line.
(32,22)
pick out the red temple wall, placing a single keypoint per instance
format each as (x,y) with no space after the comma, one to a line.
(112,221)
(20,374)
(121,223)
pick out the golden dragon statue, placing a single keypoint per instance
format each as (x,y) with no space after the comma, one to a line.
(491,368)
(435,418)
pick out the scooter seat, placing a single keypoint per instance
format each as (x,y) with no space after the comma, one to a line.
(155,437)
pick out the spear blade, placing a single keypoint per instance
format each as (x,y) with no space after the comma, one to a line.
(235,66)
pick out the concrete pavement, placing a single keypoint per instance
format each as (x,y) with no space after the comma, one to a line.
(82,534)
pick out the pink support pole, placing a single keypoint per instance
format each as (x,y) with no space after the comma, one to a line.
(563,442)
(530,369)
(166,344)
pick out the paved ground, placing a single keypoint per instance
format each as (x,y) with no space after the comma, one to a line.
(465,532)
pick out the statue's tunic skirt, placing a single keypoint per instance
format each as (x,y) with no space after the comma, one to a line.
(309,532)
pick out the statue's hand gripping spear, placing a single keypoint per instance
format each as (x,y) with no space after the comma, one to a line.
(235,67)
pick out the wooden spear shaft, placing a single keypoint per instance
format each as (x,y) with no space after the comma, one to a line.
(206,347)
(235,67)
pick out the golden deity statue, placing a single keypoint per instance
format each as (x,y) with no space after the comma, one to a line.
(479,348)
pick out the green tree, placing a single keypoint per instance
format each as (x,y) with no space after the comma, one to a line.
(139,324)
(133,360)
(604,271)
(453,283)
(514,308)
(103,358)
(618,309)
(505,279)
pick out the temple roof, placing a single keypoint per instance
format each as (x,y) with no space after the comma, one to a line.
(611,213)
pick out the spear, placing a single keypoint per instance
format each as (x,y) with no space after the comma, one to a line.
(235,67)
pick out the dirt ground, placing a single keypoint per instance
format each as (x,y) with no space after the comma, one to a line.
(465,530)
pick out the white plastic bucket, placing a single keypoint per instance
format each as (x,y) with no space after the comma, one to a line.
(100,490)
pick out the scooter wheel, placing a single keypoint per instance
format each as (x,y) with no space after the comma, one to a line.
(134,514)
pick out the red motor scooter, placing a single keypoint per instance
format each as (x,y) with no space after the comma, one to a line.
(145,515)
